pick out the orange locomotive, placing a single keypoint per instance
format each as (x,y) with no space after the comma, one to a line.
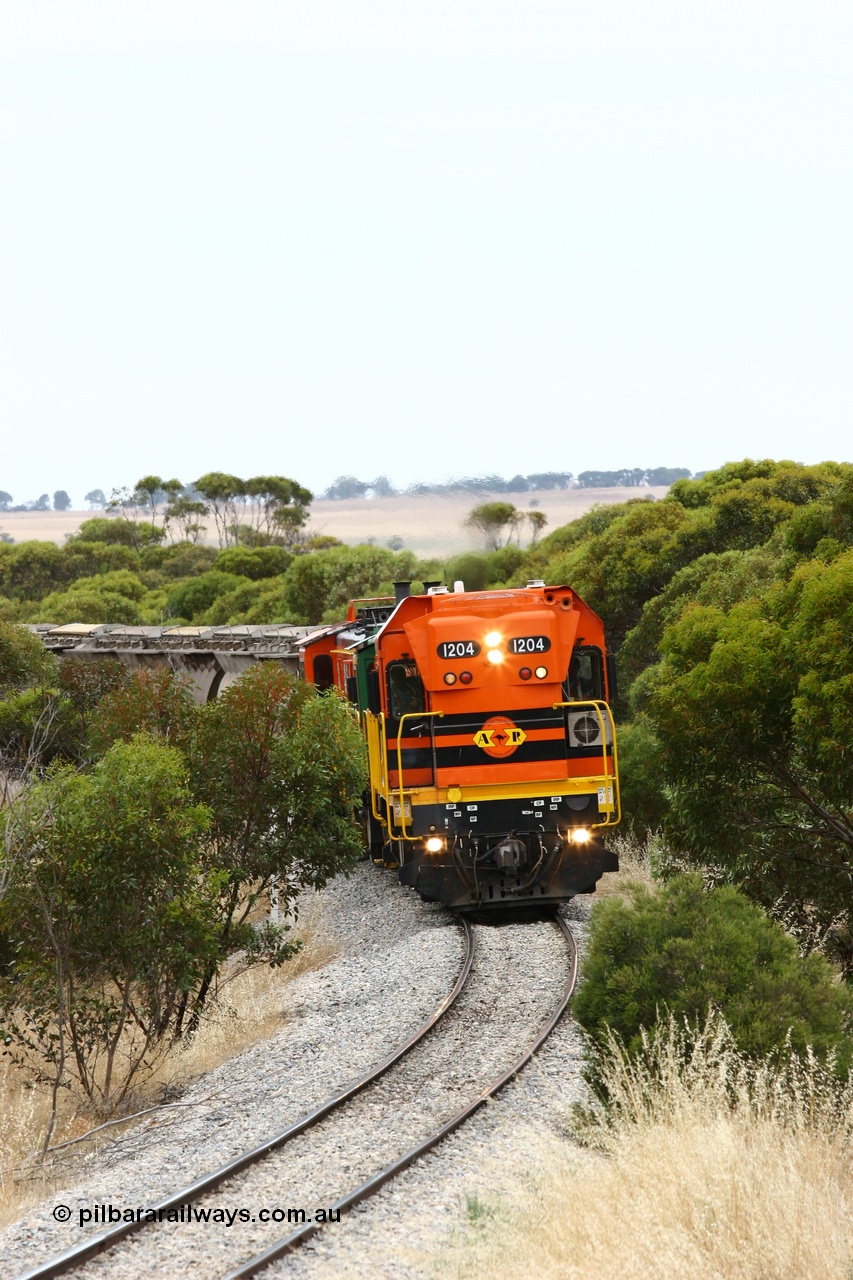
(492,750)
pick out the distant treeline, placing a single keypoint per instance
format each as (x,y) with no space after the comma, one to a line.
(632,477)
(61,502)
(381,487)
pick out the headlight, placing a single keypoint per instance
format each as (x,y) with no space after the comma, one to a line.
(495,656)
(580,835)
(434,845)
(493,639)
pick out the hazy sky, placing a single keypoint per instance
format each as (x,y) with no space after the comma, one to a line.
(421,238)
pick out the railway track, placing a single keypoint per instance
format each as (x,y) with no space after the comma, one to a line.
(287,1244)
(375,1104)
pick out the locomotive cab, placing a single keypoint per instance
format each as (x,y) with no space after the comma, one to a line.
(491,745)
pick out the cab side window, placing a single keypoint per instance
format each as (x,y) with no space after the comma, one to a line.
(405,689)
(585,681)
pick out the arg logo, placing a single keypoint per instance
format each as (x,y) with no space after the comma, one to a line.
(499,737)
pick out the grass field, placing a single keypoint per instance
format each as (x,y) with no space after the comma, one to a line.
(709,1168)
(429,526)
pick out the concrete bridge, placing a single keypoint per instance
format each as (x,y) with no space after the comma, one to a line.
(212,657)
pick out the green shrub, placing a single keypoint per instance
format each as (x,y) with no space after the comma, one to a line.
(107,529)
(152,609)
(183,560)
(325,581)
(29,570)
(271,607)
(83,559)
(472,568)
(85,604)
(644,802)
(232,609)
(15,610)
(151,700)
(131,923)
(506,561)
(192,598)
(35,726)
(24,661)
(253,562)
(104,597)
(121,581)
(682,950)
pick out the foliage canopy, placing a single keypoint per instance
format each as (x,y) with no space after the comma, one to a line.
(684,950)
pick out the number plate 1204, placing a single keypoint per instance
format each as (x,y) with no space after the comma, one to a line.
(529,644)
(458,649)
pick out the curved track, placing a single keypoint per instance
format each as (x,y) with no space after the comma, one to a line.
(148,1257)
(293,1241)
(104,1240)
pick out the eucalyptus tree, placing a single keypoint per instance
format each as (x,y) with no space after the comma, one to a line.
(752,709)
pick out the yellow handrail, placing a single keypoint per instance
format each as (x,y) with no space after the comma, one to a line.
(597,705)
(376,753)
(409,715)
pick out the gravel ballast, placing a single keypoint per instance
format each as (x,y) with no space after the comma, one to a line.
(399,958)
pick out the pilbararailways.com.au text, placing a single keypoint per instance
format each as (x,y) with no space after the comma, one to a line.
(190,1214)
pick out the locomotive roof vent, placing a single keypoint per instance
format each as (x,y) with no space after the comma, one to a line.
(437,591)
(536,582)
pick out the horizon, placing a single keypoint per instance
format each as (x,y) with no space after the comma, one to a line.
(426,240)
(473,484)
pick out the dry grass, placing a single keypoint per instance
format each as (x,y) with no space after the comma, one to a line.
(647,860)
(705,1168)
(635,864)
(434,526)
(252,1007)
(430,526)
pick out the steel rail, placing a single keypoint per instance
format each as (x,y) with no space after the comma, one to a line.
(289,1243)
(105,1240)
